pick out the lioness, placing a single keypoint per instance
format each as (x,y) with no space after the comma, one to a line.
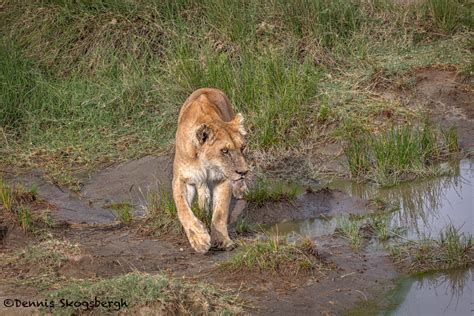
(209,144)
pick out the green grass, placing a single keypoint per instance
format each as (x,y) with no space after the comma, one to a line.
(43,259)
(146,293)
(265,191)
(242,226)
(398,154)
(275,255)
(452,249)
(350,229)
(162,216)
(24,219)
(86,84)
(123,212)
(6,199)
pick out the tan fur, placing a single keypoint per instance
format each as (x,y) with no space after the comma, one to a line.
(209,144)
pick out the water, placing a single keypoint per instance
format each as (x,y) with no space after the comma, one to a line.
(425,207)
(435,294)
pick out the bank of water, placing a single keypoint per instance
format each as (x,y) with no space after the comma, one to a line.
(424,208)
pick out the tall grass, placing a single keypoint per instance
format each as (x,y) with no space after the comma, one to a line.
(94,81)
(398,154)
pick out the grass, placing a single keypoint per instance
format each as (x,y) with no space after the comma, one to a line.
(242,226)
(93,83)
(398,154)
(123,212)
(266,191)
(6,199)
(452,249)
(145,293)
(42,261)
(21,206)
(350,229)
(275,255)
(162,216)
(358,229)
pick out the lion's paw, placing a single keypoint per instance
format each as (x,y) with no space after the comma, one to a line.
(200,240)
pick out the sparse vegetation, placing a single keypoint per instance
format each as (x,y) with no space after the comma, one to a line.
(399,154)
(123,212)
(451,250)
(16,203)
(242,226)
(272,191)
(162,215)
(350,228)
(276,255)
(43,259)
(152,294)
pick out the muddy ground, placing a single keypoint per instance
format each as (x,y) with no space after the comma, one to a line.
(110,249)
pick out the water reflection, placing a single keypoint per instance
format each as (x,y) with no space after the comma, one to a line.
(426,206)
(435,294)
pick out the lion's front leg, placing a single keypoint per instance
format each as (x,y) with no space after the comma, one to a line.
(195,230)
(221,200)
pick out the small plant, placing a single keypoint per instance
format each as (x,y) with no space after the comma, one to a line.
(162,216)
(242,226)
(451,139)
(276,255)
(450,250)
(381,228)
(272,191)
(24,218)
(123,212)
(6,198)
(350,228)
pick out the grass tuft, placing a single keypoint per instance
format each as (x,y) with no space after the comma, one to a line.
(276,255)
(145,293)
(272,191)
(162,216)
(398,154)
(451,250)
(123,212)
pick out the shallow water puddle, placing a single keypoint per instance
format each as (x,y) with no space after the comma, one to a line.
(425,206)
(434,294)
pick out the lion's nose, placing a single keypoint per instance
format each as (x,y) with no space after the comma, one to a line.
(242,172)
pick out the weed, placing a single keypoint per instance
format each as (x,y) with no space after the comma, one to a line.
(451,250)
(123,212)
(451,139)
(272,191)
(382,228)
(450,14)
(162,216)
(150,293)
(275,255)
(242,226)
(351,230)
(24,219)
(6,199)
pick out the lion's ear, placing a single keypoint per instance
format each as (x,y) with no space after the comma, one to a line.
(203,133)
(238,122)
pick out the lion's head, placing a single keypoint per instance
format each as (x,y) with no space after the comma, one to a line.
(220,148)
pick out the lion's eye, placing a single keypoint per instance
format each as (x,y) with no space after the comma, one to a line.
(224,151)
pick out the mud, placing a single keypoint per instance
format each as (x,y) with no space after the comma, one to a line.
(311,204)
(449,99)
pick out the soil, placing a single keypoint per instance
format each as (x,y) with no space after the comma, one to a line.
(110,249)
